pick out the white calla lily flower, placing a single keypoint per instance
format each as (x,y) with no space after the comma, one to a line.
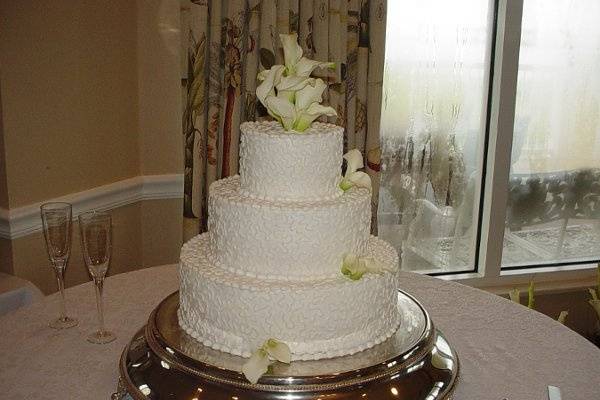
(354,161)
(596,305)
(515,295)
(354,267)
(311,93)
(262,75)
(353,177)
(256,366)
(295,64)
(259,362)
(306,117)
(278,350)
(290,85)
(292,52)
(288,92)
(282,110)
(360,179)
(305,67)
(562,317)
(271,78)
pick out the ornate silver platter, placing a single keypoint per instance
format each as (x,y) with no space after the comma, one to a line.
(163,362)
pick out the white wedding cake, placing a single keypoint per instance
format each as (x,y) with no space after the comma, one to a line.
(279,237)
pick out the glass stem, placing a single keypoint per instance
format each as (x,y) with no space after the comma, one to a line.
(59,271)
(99,283)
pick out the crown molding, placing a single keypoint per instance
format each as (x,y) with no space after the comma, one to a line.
(22,221)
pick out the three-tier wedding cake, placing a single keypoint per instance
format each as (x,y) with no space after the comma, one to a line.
(288,254)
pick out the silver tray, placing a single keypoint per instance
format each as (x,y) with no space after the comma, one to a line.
(163,362)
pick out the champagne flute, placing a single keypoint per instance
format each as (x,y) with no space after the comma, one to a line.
(96,230)
(56,220)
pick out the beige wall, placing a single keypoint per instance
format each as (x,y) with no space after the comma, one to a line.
(3,182)
(90,94)
(31,262)
(144,234)
(159,87)
(69,95)
(161,231)
(582,317)
(6,264)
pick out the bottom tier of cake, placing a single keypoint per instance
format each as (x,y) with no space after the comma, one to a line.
(316,319)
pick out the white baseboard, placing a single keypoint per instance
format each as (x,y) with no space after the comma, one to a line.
(22,221)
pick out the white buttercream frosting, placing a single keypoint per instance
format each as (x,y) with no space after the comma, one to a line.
(270,264)
(279,165)
(317,319)
(285,240)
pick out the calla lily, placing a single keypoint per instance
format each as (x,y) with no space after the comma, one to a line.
(289,85)
(515,295)
(562,317)
(270,78)
(288,92)
(282,110)
(278,350)
(354,267)
(307,104)
(306,117)
(311,93)
(596,305)
(595,301)
(259,362)
(299,115)
(305,67)
(353,177)
(295,64)
(531,296)
(256,366)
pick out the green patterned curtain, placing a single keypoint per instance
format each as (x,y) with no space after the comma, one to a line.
(226,43)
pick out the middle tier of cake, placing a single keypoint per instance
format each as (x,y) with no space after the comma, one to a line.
(285,240)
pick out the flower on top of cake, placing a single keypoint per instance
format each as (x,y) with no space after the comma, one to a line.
(289,93)
(354,267)
(260,361)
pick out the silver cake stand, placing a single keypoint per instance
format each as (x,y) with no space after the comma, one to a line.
(163,362)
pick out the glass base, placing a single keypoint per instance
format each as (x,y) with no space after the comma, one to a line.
(63,323)
(101,337)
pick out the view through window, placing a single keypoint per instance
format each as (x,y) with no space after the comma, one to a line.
(433,130)
(553,213)
(434,122)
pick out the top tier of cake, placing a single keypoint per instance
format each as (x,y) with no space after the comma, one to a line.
(277,165)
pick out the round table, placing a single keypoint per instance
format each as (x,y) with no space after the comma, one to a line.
(506,350)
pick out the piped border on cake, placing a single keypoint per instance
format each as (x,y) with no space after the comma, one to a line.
(300,351)
(196,253)
(274,129)
(228,189)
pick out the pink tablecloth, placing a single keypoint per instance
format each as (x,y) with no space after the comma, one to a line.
(506,350)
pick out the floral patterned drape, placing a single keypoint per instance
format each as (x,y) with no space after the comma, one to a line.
(226,43)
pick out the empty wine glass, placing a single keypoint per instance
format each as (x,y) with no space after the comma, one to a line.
(96,230)
(56,220)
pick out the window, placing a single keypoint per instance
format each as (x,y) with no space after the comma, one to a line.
(553,213)
(433,131)
(491,138)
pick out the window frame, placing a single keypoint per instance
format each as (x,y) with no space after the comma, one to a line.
(496,154)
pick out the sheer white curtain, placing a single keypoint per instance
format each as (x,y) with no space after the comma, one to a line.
(557,124)
(435,95)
